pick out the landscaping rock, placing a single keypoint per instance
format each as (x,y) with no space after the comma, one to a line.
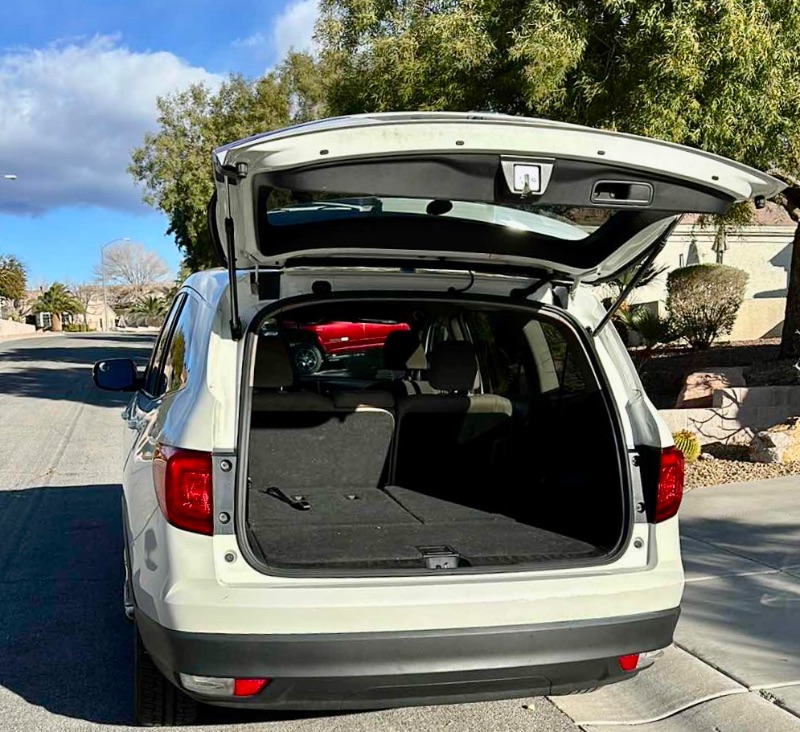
(731,464)
(698,387)
(778,444)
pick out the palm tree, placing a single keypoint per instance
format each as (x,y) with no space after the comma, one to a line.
(650,273)
(57,300)
(152,308)
(624,316)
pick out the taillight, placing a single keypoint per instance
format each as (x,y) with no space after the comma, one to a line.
(183,488)
(629,662)
(670,484)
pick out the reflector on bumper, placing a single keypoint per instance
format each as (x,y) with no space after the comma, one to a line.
(222,687)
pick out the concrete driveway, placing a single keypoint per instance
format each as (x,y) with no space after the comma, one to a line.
(65,649)
(736,664)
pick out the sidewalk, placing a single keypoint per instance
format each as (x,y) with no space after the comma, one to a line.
(26,336)
(736,663)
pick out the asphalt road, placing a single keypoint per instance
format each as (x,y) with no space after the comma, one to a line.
(65,648)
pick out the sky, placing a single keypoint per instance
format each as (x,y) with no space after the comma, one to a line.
(78,87)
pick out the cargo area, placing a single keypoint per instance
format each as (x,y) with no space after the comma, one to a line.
(400,436)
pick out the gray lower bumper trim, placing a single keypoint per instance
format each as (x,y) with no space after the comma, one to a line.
(370,670)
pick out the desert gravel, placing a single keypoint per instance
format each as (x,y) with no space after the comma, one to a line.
(721,464)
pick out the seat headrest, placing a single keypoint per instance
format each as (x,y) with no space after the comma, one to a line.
(273,367)
(398,348)
(453,366)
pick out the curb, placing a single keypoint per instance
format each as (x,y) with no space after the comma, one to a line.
(28,336)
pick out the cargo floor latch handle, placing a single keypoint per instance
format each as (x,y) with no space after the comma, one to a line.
(298,502)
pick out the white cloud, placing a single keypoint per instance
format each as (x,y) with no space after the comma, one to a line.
(294,28)
(291,30)
(257,40)
(71,113)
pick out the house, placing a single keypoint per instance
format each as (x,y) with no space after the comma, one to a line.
(763,250)
(97,316)
(93,318)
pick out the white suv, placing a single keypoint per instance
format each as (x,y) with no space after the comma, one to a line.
(395,455)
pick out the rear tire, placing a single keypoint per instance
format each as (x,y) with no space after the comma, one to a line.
(157,702)
(307,359)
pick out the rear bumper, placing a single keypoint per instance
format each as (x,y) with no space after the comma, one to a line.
(377,670)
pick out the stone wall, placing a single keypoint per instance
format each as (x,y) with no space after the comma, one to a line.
(736,413)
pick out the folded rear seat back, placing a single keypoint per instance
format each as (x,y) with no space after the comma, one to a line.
(308,444)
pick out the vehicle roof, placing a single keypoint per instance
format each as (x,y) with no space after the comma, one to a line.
(208,283)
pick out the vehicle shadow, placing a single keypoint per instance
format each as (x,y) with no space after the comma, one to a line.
(147,338)
(60,368)
(65,644)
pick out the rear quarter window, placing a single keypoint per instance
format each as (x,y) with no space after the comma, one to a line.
(560,361)
(501,353)
(154,382)
(177,363)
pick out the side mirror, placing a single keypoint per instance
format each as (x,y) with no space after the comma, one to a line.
(116,374)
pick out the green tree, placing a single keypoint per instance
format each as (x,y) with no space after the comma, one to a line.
(790,337)
(723,76)
(57,300)
(183,272)
(152,308)
(643,278)
(13,278)
(173,165)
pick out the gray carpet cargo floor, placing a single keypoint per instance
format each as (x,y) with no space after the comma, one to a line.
(394,528)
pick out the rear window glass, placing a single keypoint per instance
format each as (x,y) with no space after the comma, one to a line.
(287,208)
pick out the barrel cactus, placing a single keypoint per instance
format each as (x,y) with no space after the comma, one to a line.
(688,444)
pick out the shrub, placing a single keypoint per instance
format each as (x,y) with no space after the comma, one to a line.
(651,327)
(653,331)
(688,444)
(702,301)
(76,328)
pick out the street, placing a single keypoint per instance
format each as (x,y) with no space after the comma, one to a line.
(66,650)
(65,647)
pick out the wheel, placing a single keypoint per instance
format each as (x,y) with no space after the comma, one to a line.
(307,359)
(157,702)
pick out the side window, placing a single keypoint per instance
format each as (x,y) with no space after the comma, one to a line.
(499,345)
(567,361)
(176,363)
(154,383)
